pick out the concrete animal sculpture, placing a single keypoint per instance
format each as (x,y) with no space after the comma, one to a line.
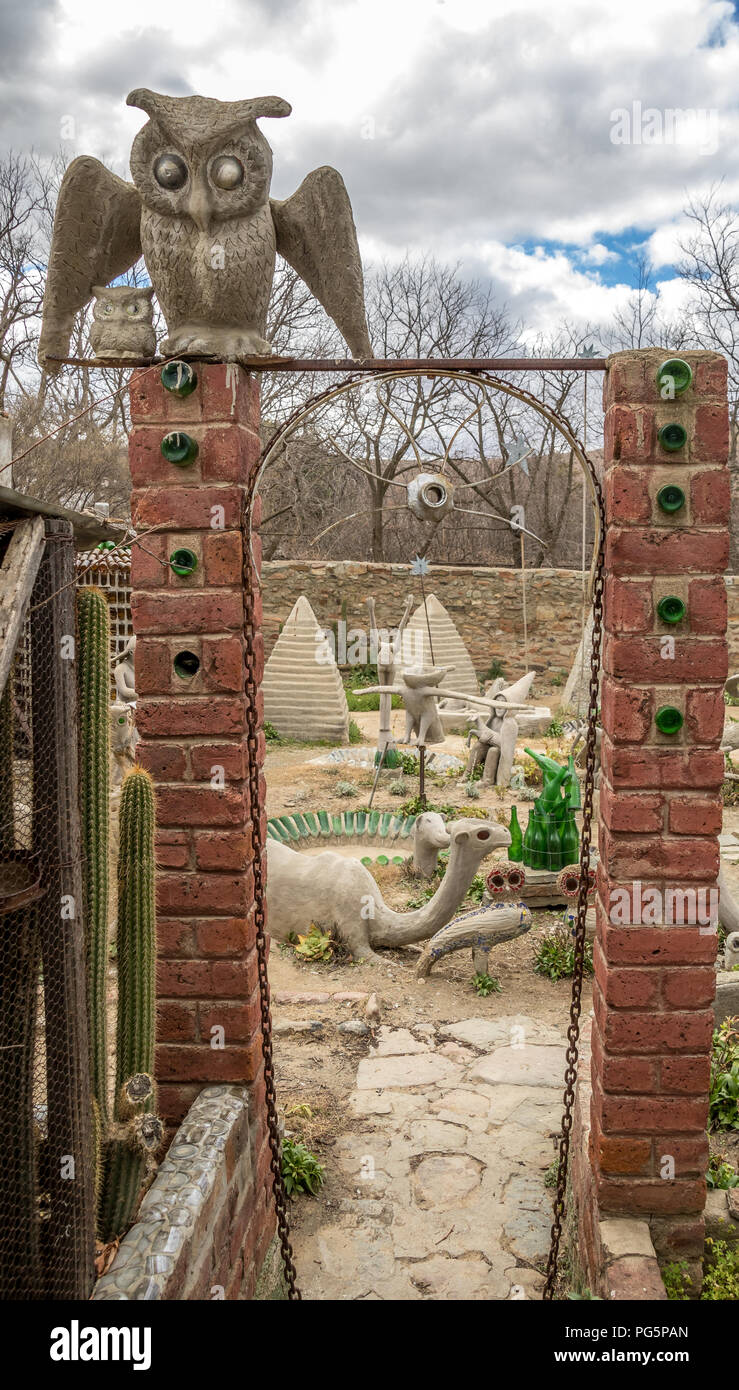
(122,323)
(430,835)
(340,894)
(200,212)
(480,929)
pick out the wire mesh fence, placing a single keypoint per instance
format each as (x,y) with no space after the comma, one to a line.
(46,1139)
(110,570)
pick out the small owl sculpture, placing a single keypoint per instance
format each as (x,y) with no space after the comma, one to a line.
(200,212)
(122,322)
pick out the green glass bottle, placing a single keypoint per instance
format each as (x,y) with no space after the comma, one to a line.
(671,609)
(668,719)
(515,848)
(570,840)
(528,838)
(538,851)
(673,437)
(553,857)
(671,498)
(673,377)
(179,448)
(179,378)
(183,562)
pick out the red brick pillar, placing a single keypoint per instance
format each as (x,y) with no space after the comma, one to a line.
(660,808)
(193,733)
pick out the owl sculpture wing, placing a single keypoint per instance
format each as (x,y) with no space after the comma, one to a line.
(317,237)
(96,237)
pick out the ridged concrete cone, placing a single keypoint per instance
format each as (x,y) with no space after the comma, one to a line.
(449,649)
(303,693)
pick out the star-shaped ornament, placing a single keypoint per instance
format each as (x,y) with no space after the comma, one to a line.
(420,566)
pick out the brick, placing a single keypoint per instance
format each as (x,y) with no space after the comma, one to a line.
(223,559)
(204,806)
(199,893)
(628,605)
(223,663)
(704,714)
(174,1101)
(629,1196)
(194,716)
(205,979)
(617,1154)
(631,812)
(707,606)
(626,989)
(629,434)
(627,495)
(642,550)
(187,612)
(231,757)
(626,712)
(650,768)
(176,1022)
(187,1062)
(239,1021)
(166,762)
(687,1075)
(149,569)
(649,1115)
(174,937)
(689,988)
(634,1279)
(230,454)
(640,659)
(710,440)
(179,508)
(643,1033)
(694,815)
(690,1155)
(710,497)
(153,666)
(660,945)
(224,849)
(172,848)
(634,857)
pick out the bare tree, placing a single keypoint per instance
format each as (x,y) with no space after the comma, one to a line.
(710,266)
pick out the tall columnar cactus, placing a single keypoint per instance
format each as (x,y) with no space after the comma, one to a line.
(133,1140)
(94,701)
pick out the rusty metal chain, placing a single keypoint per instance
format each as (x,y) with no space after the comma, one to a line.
(257,844)
(573,1031)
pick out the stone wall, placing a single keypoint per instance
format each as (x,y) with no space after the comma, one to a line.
(200,1232)
(486,605)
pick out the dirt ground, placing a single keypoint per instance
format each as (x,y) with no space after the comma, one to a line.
(316,1058)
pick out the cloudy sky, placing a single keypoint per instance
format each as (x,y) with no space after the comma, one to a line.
(542,143)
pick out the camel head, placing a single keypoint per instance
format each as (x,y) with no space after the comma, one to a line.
(431,829)
(470,841)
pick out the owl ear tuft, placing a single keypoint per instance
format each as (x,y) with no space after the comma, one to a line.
(266,106)
(145,99)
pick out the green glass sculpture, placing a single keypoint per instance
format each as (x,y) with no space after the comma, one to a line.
(515,848)
(179,448)
(183,562)
(673,377)
(668,719)
(671,498)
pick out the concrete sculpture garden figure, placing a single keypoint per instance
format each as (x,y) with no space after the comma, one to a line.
(497,734)
(122,322)
(200,212)
(341,895)
(420,690)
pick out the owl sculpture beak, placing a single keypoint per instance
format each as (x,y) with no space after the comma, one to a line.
(198,206)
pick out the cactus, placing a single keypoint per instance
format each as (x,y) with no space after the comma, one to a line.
(126,1164)
(94,700)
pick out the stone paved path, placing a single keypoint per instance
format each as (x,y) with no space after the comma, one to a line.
(457,1130)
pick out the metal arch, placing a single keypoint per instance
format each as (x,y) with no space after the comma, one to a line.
(488,382)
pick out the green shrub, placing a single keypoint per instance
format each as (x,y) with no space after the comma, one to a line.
(724,1086)
(554,954)
(301,1170)
(346,789)
(485,984)
(270,732)
(721,1272)
(677,1281)
(398,788)
(721,1174)
(315,945)
(495,669)
(355,733)
(555,729)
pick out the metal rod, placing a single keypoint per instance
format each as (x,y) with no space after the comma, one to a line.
(369,364)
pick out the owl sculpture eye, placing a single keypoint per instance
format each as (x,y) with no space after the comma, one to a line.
(170,171)
(227,171)
(133,309)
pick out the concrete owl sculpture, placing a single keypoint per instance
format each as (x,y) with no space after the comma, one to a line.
(122,323)
(200,212)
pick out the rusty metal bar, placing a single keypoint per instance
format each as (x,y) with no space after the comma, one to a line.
(375,364)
